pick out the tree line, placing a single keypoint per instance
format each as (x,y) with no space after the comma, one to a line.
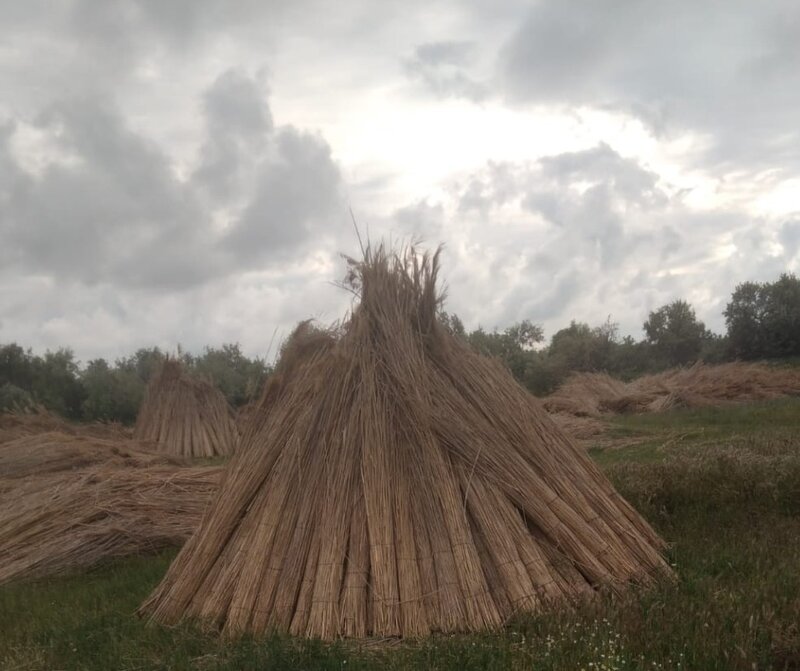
(113,392)
(762,322)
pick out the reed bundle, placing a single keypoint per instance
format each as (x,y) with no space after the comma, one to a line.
(244,414)
(185,415)
(395,483)
(593,394)
(70,520)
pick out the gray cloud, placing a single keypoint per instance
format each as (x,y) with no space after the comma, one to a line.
(730,71)
(297,191)
(116,200)
(239,124)
(587,196)
(421,219)
(442,67)
(117,213)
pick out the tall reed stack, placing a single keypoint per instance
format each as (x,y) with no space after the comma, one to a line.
(394,482)
(185,415)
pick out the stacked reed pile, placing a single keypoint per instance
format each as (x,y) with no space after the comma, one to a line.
(244,414)
(593,394)
(185,415)
(71,520)
(395,483)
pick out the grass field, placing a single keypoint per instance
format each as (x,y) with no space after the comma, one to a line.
(721,485)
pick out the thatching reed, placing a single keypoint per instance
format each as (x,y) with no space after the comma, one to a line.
(595,394)
(584,394)
(578,427)
(186,415)
(396,483)
(15,425)
(54,451)
(75,518)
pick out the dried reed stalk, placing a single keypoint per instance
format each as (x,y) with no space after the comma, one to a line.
(75,519)
(15,425)
(579,428)
(186,416)
(594,394)
(393,482)
(54,451)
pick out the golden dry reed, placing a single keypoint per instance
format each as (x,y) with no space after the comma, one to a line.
(54,451)
(186,416)
(699,385)
(71,502)
(15,425)
(395,483)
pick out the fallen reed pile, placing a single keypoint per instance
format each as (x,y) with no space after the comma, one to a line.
(71,520)
(54,451)
(15,425)
(593,394)
(395,483)
(702,385)
(585,394)
(186,416)
(577,427)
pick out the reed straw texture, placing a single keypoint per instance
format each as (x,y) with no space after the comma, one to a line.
(69,503)
(15,425)
(186,416)
(699,385)
(393,482)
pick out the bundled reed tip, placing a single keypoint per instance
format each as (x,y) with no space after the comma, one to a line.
(393,482)
(186,415)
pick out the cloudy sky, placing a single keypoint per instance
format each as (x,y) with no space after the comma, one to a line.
(183,171)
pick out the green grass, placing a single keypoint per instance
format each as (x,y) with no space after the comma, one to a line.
(722,486)
(657,436)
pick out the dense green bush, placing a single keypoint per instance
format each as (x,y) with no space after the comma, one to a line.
(13,398)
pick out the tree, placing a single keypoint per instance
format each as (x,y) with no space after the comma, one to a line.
(237,376)
(763,319)
(112,394)
(675,333)
(143,363)
(579,347)
(13,398)
(513,346)
(452,323)
(781,317)
(744,317)
(16,366)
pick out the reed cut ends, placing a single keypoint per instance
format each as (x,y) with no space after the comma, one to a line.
(393,482)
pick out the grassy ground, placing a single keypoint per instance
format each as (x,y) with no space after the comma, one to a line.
(722,485)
